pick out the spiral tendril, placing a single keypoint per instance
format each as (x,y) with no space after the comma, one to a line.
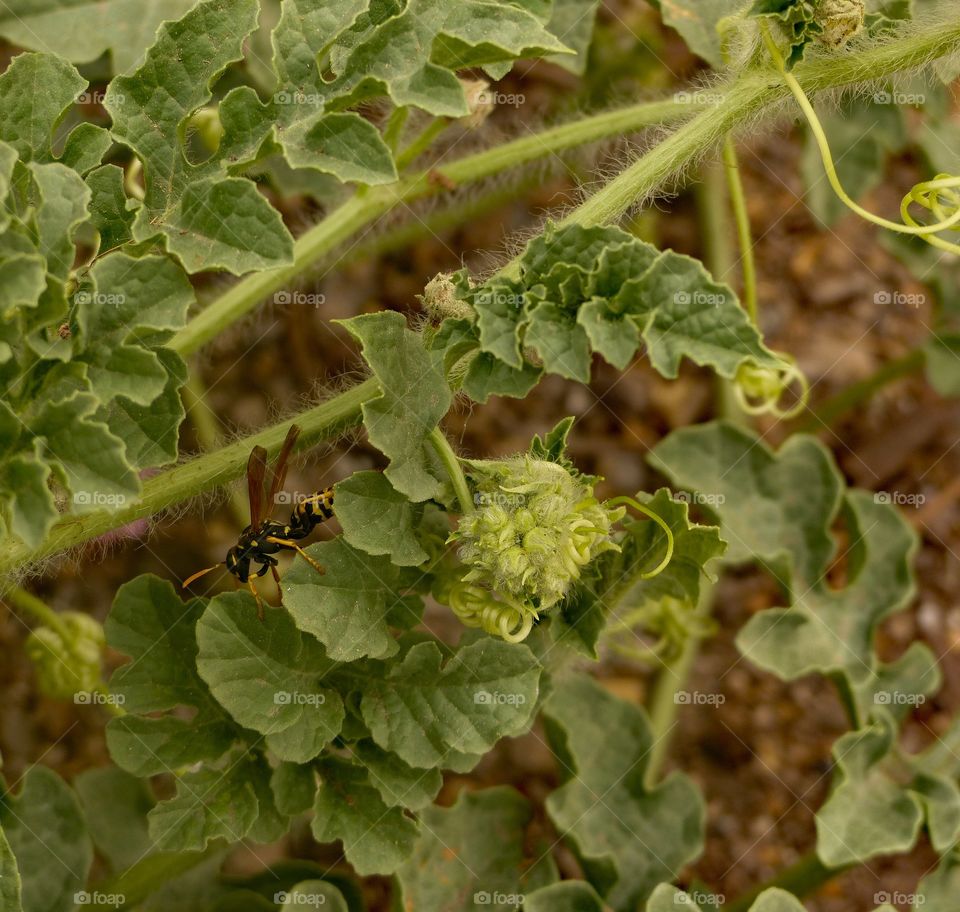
(646,511)
(938,196)
(477,607)
(758,390)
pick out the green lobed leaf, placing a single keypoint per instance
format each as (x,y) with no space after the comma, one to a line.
(798,23)
(376,837)
(209,804)
(779,508)
(115,806)
(666,898)
(150,433)
(314,893)
(572,22)
(487,376)
(378,519)
(81,30)
(412,56)
(23,278)
(473,855)
(699,24)
(35,92)
(585,612)
(85,146)
(565,896)
(29,506)
(629,837)
(294,786)
(60,203)
(149,623)
(10,885)
(85,455)
(340,143)
(122,301)
(879,802)
(398,783)
(937,892)
(108,207)
(95,360)
(45,829)
(348,607)
(601,290)
(414,397)
(268,675)
(425,711)
(208,219)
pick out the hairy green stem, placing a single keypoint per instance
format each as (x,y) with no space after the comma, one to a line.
(831,409)
(433,223)
(451,464)
(198,475)
(364,209)
(663,705)
(27,603)
(395,125)
(714,221)
(944,182)
(745,98)
(206,426)
(801,878)
(421,143)
(738,205)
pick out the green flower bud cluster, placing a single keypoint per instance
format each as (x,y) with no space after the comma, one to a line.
(67,662)
(536,526)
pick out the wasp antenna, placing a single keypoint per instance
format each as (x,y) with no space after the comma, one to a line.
(198,574)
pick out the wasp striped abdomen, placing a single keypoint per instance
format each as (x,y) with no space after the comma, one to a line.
(312,511)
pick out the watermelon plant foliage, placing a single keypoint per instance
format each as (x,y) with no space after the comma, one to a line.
(146,149)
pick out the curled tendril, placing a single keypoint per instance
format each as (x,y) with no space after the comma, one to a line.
(646,511)
(477,607)
(759,389)
(940,197)
(673,623)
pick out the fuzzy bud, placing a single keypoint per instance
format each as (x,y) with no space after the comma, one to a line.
(441,300)
(206,122)
(65,667)
(479,102)
(840,21)
(536,526)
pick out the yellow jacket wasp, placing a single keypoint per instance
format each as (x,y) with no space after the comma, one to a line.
(265,537)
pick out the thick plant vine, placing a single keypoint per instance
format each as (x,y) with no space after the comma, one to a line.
(341,713)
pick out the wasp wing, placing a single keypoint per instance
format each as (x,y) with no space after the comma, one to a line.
(280,468)
(256,472)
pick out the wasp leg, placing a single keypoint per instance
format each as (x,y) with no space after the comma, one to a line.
(276,579)
(256,595)
(289,543)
